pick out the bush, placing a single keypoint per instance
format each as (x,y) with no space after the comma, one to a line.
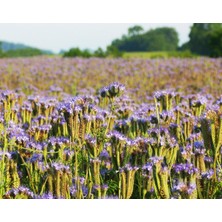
(182,54)
(100,53)
(114,52)
(111,51)
(73,52)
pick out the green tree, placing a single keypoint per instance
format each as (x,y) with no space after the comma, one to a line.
(99,53)
(135,30)
(1,52)
(25,52)
(73,52)
(162,39)
(113,51)
(159,39)
(215,42)
(205,39)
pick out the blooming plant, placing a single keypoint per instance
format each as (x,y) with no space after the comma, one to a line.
(110,140)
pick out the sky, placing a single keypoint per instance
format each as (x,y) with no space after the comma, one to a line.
(59,36)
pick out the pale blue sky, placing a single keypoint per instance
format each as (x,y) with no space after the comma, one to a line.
(64,36)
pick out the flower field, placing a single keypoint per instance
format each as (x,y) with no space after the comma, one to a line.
(110,128)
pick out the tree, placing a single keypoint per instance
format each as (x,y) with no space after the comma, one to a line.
(25,52)
(113,51)
(73,52)
(159,39)
(135,30)
(1,52)
(162,39)
(205,39)
(99,53)
(215,43)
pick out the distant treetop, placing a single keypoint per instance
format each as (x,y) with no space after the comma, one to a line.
(159,39)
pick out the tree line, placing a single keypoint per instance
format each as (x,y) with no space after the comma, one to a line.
(205,39)
(20,52)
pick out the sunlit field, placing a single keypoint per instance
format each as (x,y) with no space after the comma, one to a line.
(160,54)
(127,128)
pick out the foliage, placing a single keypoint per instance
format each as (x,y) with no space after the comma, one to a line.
(25,52)
(9,46)
(6,46)
(74,52)
(206,39)
(114,52)
(159,39)
(1,52)
(161,54)
(135,30)
(99,53)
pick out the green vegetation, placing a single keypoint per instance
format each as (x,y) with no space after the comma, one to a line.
(26,52)
(205,39)
(11,50)
(6,46)
(1,53)
(159,39)
(76,52)
(163,54)
(99,53)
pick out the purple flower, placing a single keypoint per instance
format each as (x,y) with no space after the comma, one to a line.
(58,141)
(128,167)
(73,190)
(148,166)
(184,188)
(208,159)
(55,88)
(103,172)
(91,141)
(186,168)
(104,91)
(60,167)
(114,89)
(219,101)
(42,166)
(199,148)
(46,196)
(161,94)
(208,174)
(166,115)
(191,188)
(21,190)
(116,136)
(96,187)
(104,187)
(104,154)
(87,118)
(198,145)
(68,152)
(156,159)
(35,157)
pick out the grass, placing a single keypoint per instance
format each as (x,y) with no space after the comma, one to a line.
(158,54)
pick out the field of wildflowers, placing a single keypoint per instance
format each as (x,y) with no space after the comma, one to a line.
(110,128)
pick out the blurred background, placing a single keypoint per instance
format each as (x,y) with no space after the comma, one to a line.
(142,40)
